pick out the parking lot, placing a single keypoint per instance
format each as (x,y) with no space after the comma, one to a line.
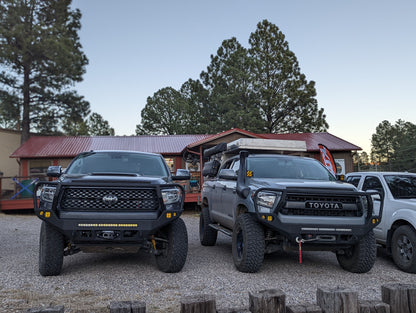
(89,282)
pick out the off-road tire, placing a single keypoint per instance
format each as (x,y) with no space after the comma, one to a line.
(361,257)
(172,254)
(207,235)
(248,244)
(403,248)
(51,250)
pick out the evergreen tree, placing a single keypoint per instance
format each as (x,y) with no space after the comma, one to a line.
(199,114)
(260,90)
(40,58)
(228,81)
(382,142)
(286,99)
(97,126)
(167,112)
(393,147)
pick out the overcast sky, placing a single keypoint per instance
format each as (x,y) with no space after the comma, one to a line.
(360,53)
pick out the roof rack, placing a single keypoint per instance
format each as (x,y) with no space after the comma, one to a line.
(265,145)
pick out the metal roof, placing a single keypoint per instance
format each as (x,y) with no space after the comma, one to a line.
(60,147)
(210,138)
(333,143)
(68,147)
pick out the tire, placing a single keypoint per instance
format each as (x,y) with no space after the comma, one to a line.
(248,244)
(403,248)
(207,235)
(51,250)
(174,251)
(361,257)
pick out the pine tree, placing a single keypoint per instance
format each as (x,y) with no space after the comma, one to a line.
(40,59)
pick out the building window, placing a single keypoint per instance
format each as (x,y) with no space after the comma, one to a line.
(171,164)
(38,168)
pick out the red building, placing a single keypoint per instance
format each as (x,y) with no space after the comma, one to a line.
(179,151)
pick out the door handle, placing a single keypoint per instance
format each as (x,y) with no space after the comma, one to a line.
(224,187)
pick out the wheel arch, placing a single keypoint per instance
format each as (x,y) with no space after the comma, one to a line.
(240,209)
(394,226)
(204,202)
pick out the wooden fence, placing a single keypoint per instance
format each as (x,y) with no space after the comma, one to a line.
(396,298)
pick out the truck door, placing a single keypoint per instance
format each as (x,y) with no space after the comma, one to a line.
(222,206)
(229,196)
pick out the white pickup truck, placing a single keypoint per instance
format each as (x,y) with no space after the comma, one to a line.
(397,230)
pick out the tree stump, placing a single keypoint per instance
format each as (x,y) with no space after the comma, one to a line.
(120,307)
(55,309)
(373,306)
(128,307)
(234,310)
(198,304)
(401,297)
(268,301)
(138,307)
(303,308)
(337,300)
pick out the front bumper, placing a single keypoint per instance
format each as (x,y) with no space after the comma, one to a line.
(319,230)
(95,227)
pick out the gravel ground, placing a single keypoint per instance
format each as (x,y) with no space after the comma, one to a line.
(89,282)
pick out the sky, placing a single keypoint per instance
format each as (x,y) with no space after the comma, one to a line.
(360,53)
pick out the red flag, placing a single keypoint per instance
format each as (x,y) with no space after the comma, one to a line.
(327,159)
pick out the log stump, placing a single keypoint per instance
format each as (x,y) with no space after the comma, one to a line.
(198,304)
(127,307)
(233,310)
(303,308)
(373,306)
(401,297)
(268,301)
(337,300)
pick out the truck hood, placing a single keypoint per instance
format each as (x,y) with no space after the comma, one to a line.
(296,183)
(109,178)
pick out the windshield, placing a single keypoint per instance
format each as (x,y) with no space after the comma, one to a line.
(402,186)
(118,162)
(288,168)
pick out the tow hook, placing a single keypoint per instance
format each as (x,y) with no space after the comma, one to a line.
(108,234)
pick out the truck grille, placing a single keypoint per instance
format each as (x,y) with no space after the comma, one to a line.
(111,199)
(322,205)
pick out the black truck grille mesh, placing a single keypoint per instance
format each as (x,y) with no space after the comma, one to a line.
(119,200)
(322,205)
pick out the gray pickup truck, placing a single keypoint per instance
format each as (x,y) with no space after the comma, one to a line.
(268,202)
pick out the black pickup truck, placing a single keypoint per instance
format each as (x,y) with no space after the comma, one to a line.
(268,202)
(112,201)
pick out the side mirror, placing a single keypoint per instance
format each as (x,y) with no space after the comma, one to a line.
(182,174)
(377,201)
(375,194)
(229,174)
(54,171)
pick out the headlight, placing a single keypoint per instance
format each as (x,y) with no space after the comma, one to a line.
(171,196)
(267,200)
(47,193)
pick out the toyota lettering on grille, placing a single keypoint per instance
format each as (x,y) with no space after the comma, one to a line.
(323,205)
(110,199)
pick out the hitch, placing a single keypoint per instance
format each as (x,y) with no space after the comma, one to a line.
(108,234)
